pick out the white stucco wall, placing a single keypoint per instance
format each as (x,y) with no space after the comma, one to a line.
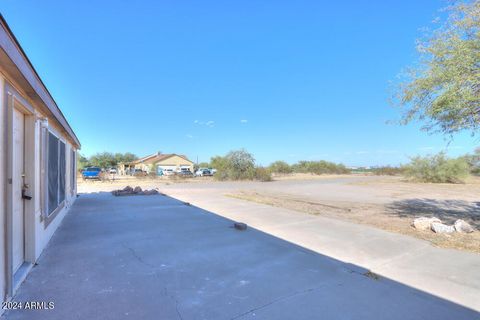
(3,155)
(39,234)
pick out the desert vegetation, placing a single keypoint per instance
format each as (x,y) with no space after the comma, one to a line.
(313,167)
(104,159)
(239,165)
(437,169)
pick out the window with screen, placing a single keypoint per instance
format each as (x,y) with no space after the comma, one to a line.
(56,172)
(73,173)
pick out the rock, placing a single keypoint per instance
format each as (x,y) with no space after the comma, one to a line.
(127,189)
(118,193)
(463,226)
(240,226)
(424,223)
(442,228)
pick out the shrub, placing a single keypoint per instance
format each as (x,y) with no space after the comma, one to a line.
(238,165)
(474,162)
(387,171)
(280,167)
(319,167)
(437,169)
(263,174)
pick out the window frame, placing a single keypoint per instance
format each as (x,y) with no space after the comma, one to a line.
(73,171)
(49,216)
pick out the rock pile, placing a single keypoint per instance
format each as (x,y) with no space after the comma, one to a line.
(129,191)
(436,225)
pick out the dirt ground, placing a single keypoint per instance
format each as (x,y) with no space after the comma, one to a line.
(389,203)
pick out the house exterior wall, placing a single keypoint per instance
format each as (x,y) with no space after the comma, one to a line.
(172,161)
(3,190)
(38,228)
(176,161)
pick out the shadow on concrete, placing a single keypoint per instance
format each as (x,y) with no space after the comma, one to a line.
(446,210)
(154,257)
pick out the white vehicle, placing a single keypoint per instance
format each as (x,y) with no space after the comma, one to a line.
(168,172)
(203,172)
(112,171)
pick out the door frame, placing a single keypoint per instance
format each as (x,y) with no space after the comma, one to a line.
(16,101)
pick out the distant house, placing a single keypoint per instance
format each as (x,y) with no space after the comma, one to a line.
(38,151)
(161,161)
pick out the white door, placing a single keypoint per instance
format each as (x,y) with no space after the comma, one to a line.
(18,166)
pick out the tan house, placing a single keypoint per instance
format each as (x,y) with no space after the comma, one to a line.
(38,151)
(165,162)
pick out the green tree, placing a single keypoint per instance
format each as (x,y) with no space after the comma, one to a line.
(238,165)
(241,164)
(437,169)
(124,157)
(443,89)
(103,160)
(82,162)
(280,167)
(473,161)
(204,165)
(320,167)
(201,165)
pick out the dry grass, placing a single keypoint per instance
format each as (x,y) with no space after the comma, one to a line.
(309,176)
(381,216)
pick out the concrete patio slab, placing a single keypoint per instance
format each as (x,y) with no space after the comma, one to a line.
(153,257)
(449,274)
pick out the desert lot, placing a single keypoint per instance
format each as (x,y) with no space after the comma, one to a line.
(388,203)
(360,220)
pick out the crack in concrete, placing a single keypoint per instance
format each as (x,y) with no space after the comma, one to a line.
(134,253)
(178,311)
(278,300)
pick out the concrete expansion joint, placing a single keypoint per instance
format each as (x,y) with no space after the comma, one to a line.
(411,253)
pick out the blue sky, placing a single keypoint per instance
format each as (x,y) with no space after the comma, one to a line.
(291,80)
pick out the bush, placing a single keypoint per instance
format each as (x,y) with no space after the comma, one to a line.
(238,165)
(387,171)
(437,169)
(474,162)
(263,174)
(280,167)
(319,167)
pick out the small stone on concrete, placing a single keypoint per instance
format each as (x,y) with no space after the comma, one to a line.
(442,228)
(240,226)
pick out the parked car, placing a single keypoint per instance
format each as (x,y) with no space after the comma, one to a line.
(138,173)
(112,171)
(91,173)
(168,172)
(185,173)
(203,173)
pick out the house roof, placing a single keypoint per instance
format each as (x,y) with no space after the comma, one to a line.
(20,68)
(156,157)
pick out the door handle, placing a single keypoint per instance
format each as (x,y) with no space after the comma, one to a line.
(25,196)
